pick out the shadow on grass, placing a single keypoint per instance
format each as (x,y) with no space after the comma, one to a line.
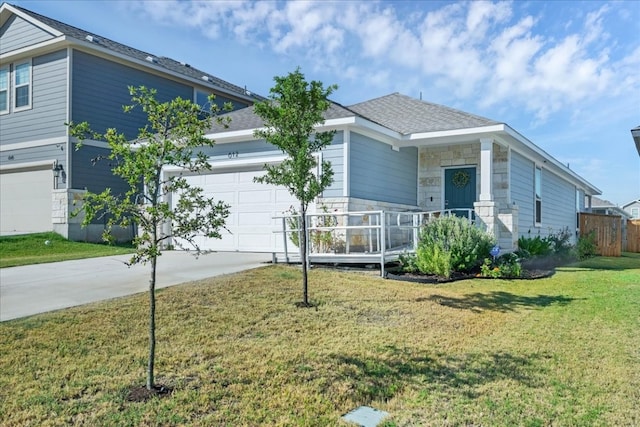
(382,377)
(499,301)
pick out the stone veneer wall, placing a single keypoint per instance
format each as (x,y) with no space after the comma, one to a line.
(64,203)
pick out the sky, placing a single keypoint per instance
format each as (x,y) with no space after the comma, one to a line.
(565,74)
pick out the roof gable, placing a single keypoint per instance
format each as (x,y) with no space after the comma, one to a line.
(407,115)
(157,62)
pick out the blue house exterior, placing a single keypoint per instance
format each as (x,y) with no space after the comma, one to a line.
(396,153)
(52,73)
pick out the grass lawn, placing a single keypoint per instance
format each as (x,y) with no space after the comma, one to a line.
(562,351)
(28,249)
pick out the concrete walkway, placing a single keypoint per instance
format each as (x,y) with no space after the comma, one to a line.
(33,289)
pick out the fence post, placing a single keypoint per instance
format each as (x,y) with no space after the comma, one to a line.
(382,242)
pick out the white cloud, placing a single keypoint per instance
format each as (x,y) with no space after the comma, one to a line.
(494,54)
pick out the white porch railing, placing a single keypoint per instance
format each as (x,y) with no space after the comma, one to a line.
(359,237)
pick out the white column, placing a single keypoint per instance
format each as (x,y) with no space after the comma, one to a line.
(486,169)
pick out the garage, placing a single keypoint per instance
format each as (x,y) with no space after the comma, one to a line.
(251,224)
(25,199)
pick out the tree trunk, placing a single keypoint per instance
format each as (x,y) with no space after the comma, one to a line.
(303,254)
(152,324)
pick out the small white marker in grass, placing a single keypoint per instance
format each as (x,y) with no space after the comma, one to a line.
(365,416)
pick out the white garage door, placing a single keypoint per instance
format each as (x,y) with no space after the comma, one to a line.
(253,206)
(25,201)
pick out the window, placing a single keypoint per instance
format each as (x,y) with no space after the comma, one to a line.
(538,198)
(635,213)
(202,99)
(22,85)
(4,90)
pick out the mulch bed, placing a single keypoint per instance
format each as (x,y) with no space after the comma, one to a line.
(142,394)
(433,279)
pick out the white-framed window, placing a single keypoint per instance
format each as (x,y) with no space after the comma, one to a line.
(538,195)
(4,89)
(22,85)
(635,213)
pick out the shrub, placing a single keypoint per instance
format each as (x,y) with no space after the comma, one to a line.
(560,242)
(507,265)
(586,246)
(451,244)
(533,246)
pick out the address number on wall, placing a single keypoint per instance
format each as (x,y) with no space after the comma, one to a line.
(232,154)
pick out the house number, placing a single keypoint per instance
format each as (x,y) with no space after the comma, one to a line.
(232,154)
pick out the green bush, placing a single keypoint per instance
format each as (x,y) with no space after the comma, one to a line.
(534,246)
(586,246)
(507,266)
(450,244)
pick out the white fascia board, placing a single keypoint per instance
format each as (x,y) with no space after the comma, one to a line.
(31,144)
(233,136)
(30,19)
(454,133)
(560,169)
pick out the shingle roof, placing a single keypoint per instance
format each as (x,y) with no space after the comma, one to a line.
(160,61)
(246,118)
(396,112)
(407,115)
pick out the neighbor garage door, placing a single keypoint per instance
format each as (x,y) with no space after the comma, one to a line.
(253,206)
(25,200)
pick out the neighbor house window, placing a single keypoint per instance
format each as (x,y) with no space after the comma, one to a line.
(538,201)
(202,99)
(635,213)
(22,85)
(4,90)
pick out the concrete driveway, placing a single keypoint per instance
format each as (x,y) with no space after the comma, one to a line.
(33,289)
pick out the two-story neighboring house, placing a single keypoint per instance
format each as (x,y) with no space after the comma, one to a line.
(632,208)
(52,73)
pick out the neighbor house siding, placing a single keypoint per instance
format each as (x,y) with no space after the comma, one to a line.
(522,171)
(17,33)
(100,90)
(382,174)
(47,116)
(34,154)
(92,173)
(558,204)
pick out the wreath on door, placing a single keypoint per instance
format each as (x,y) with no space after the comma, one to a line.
(460,179)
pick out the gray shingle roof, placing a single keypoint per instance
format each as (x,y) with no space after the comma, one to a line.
(407,115)
(160,61)
(396,112)
(246,118)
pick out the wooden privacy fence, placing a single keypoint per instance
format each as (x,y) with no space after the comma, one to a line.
(607,232)
(633,235)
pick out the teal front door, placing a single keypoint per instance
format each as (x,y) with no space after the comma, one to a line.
(460,190)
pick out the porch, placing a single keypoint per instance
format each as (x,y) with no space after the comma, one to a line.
(366,237)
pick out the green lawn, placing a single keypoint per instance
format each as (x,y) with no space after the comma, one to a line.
(557,351)
(28,249)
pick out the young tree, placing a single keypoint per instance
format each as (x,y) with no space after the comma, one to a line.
(290,115)
(174,131)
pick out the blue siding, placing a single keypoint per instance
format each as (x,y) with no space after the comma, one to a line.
(381,174)
(93,174)
(48,112)
(100,89)
(558,199)
(522,171)
(334,153)
(558,204)
(35,154)
(17,33)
